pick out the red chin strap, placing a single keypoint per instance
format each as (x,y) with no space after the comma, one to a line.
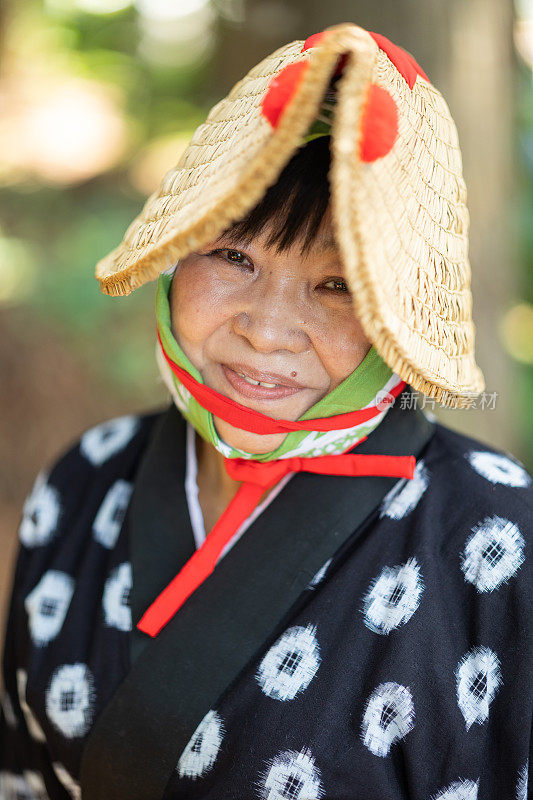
(249,420)
(256,477)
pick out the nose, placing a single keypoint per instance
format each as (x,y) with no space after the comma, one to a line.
(271,319)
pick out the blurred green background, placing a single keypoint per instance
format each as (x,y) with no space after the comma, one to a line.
(100,97)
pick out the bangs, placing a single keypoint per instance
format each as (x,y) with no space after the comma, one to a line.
(294,206)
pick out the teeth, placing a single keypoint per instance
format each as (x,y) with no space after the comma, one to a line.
(258,383)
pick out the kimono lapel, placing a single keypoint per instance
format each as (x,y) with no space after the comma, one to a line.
(177,677)
(159,528)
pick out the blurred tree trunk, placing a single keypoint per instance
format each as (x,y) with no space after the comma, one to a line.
(465,46)
(482,99)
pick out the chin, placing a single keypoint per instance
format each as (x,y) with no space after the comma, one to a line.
(256,443)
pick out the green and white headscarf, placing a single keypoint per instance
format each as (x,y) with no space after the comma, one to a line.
(369,385)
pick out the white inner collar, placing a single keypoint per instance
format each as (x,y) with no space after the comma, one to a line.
(195,510)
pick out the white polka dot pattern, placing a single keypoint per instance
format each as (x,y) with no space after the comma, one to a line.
(28,786)
(47,606)
(493,553)
(108,521)
(388,717)
(393,597)
(290,664)
(116,598)
(439,570)
(406,493)
(40,513)
(459,790)
(34,729)
(201,751)
(291,775)
(70,699)
(107,439)
(521,784)
(499,468)
(478,677)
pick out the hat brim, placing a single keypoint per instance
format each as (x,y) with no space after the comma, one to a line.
(400,215)
(232,159)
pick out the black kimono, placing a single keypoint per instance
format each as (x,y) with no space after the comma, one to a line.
(400,670)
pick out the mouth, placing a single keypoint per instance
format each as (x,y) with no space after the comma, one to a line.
(260,389)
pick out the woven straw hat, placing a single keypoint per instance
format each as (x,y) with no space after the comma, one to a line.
(397,194)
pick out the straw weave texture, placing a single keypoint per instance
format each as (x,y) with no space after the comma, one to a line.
(402,224)
(401,221)
(230,161)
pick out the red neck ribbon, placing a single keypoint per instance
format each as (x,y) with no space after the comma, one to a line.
(249,420)
(258,477)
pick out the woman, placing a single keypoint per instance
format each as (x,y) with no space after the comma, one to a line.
(291,583)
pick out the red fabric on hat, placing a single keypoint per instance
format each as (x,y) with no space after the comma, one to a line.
(280,90)
(314,40)
(402,60)
(379,124)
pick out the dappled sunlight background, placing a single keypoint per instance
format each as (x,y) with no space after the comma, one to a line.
(99,99)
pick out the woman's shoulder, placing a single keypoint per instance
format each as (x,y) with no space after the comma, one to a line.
(102,459)
(475,471)
(458,477)
(468,508)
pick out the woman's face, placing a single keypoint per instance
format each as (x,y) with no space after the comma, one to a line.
(249,309)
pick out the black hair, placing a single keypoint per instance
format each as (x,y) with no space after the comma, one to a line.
(295,204)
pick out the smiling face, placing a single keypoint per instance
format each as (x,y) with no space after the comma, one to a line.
(280,317)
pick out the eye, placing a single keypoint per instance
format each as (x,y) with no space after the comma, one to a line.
(233,256)
(340,285)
